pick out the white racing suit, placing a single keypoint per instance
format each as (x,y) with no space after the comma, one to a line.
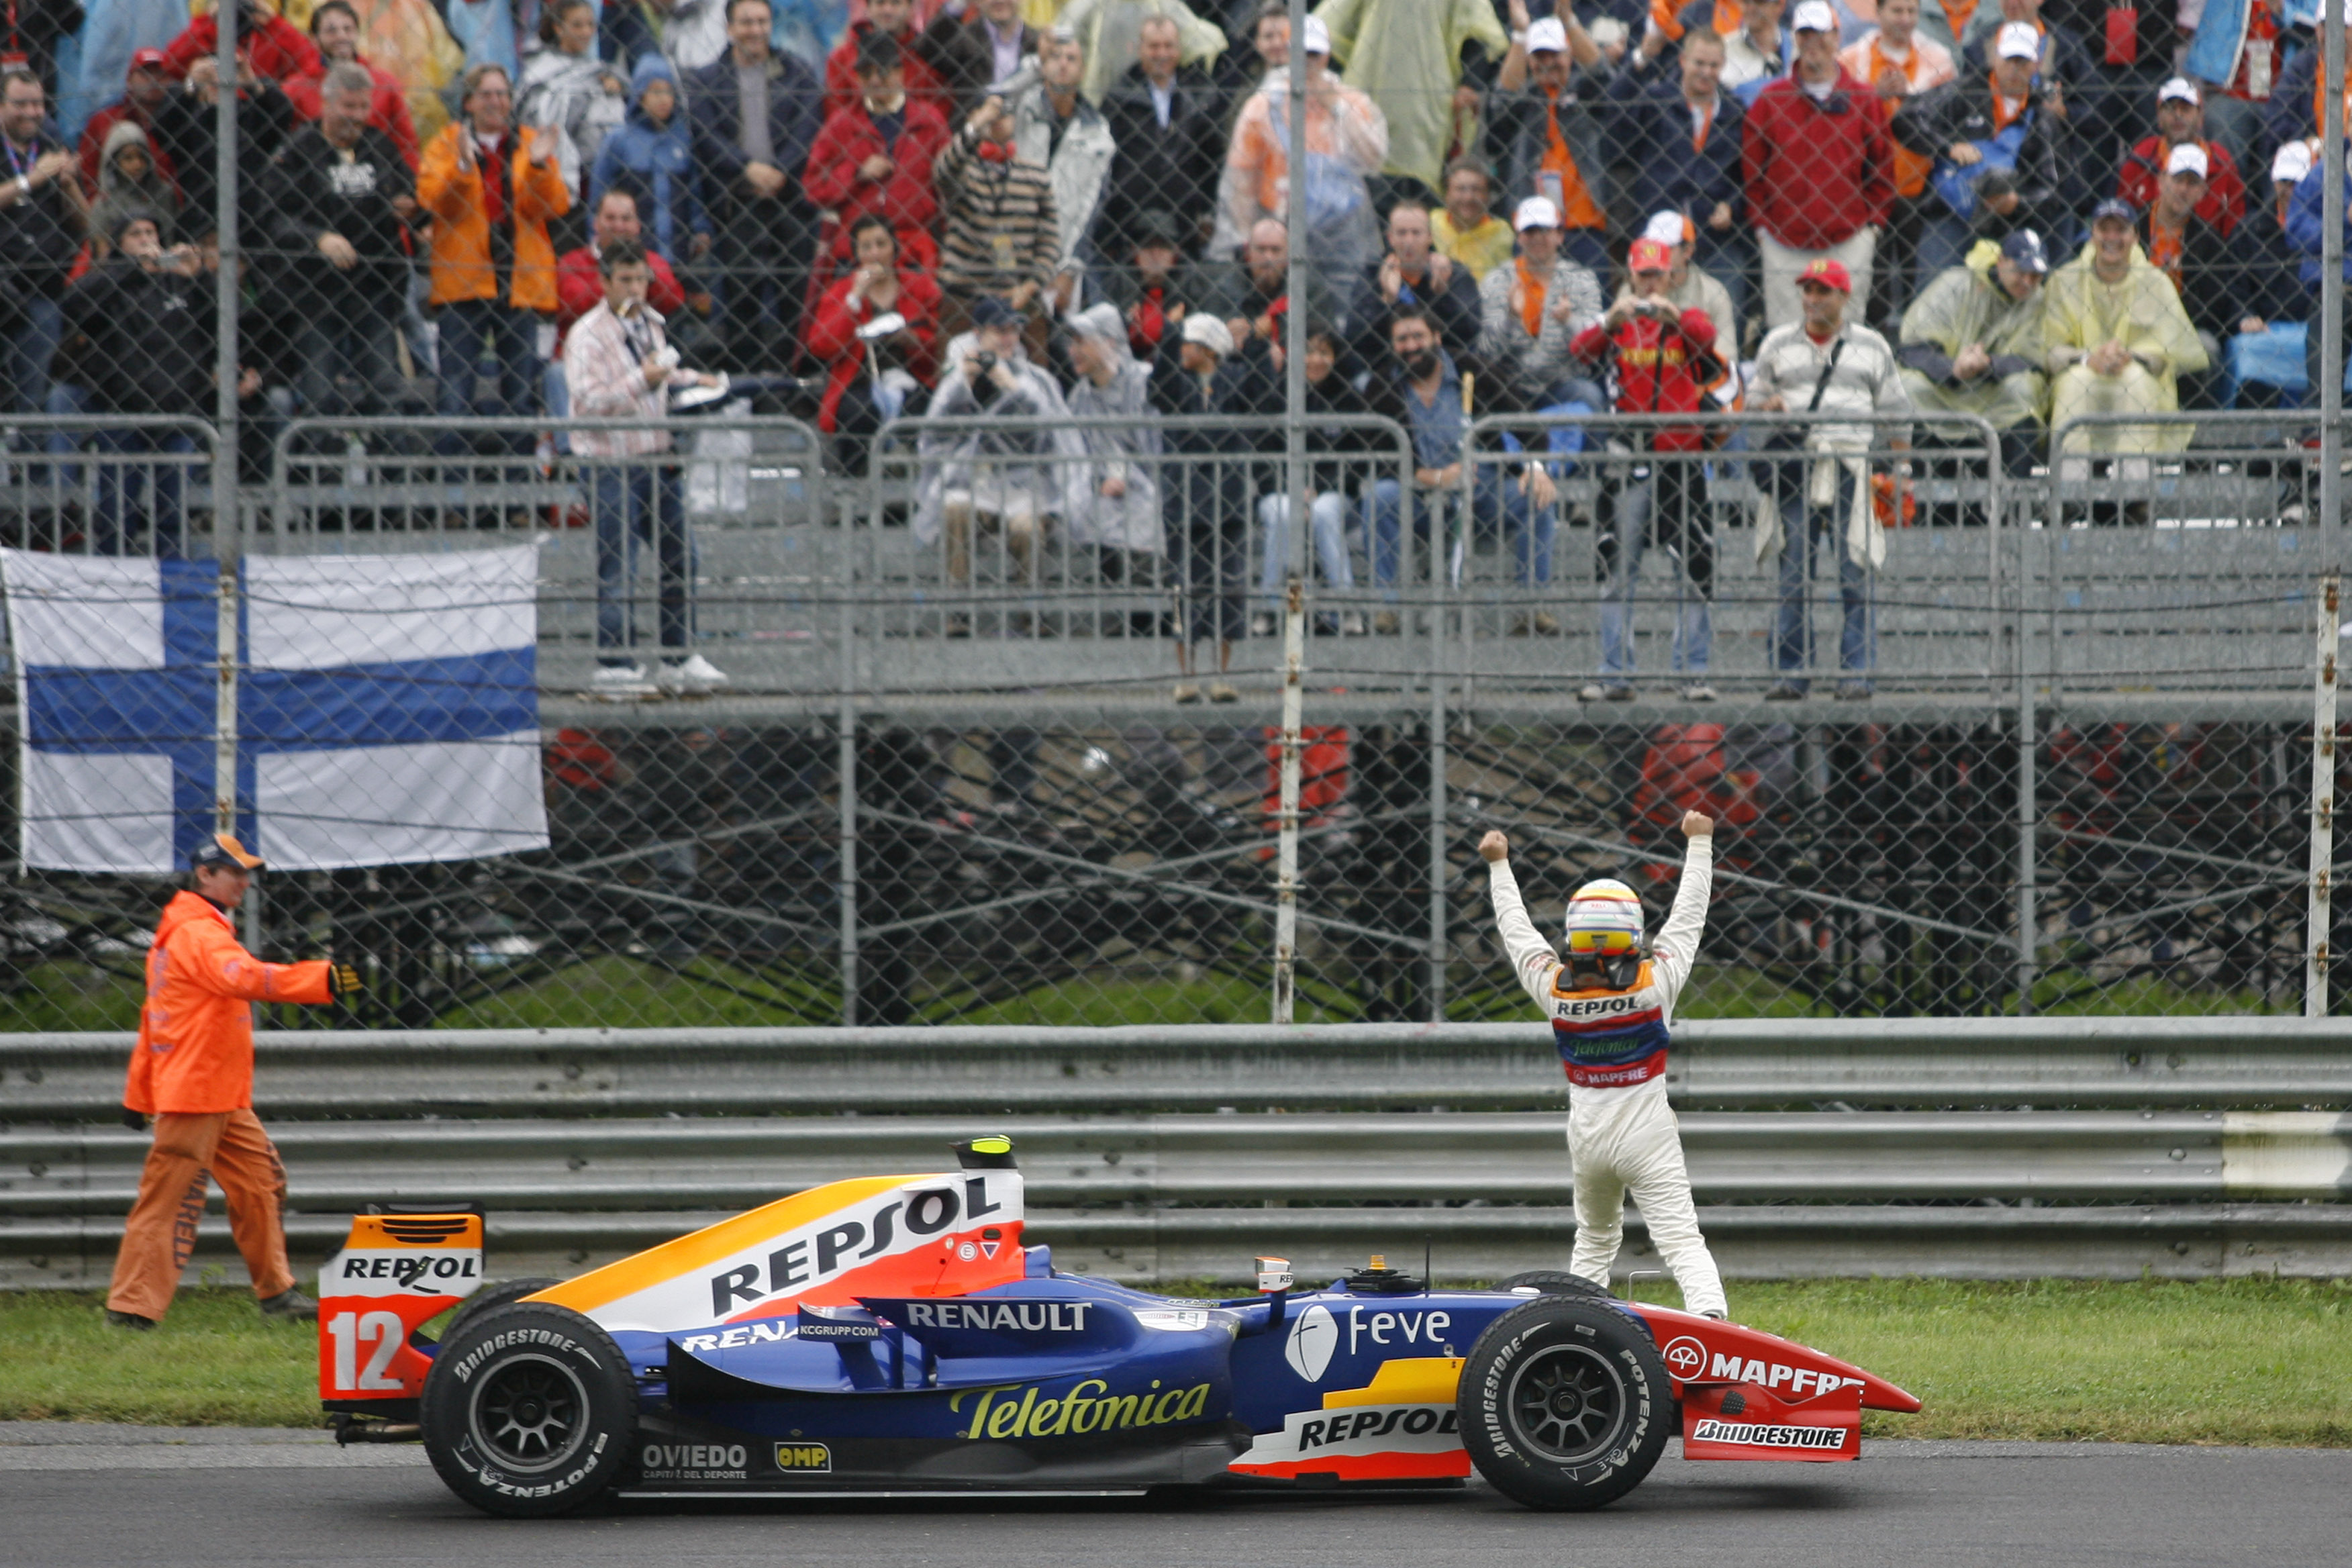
(1622,1137)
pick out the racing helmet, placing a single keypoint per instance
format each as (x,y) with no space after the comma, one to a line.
(1604,929)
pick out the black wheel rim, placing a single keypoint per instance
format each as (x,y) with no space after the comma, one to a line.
(1567,1403)
(531,1414)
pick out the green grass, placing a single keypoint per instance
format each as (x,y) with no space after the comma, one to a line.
(2262,1362)
(62,997)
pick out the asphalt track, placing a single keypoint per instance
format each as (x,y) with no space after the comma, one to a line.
(111,1496)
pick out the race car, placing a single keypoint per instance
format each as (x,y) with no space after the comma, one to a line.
(895,1335)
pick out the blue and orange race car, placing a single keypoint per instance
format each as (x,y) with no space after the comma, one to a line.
(893,1335)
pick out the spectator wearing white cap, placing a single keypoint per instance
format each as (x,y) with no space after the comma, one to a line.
(2305,227)
(1347,143)
(1680,130)
(1547,137)
(1997,149)
(2200,260)
(2238,49)
(1531,311)
(1204,497)
(1899,65)
(2180,123)
(1818,169)
(2264,366)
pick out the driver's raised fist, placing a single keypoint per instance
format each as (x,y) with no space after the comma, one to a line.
(1697,825)
(1495,846)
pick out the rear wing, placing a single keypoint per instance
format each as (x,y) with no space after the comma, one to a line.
(395,1272)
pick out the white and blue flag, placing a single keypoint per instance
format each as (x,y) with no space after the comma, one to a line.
(387,708)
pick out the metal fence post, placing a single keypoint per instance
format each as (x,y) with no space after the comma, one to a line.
(1285,873)
(2317,916)
(846,740)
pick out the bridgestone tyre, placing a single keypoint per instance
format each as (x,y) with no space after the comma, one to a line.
(1557,1282)
(1564,1404)
(498,1293)
(528,1411)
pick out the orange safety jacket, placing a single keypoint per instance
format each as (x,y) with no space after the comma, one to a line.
(194,1054)
(462,267)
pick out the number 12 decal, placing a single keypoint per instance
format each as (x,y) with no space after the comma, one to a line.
(350,1331)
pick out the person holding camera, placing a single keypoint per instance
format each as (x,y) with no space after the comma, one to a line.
(621,367)
(1662,359)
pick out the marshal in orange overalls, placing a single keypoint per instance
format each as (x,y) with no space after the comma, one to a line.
(192,1070)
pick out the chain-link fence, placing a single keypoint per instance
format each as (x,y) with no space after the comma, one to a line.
(859,463)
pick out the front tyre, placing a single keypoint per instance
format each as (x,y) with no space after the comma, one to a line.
(1564,1404)
(528,1411)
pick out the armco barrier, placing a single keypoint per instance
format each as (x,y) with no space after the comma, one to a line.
(2087,1147)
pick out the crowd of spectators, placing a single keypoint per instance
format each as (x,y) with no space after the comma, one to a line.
(429,189)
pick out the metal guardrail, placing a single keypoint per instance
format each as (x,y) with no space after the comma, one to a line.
(1159,1154)
(2216,1063)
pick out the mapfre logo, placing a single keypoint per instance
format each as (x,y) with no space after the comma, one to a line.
(1313,1337)
(1686,1358)
(805,1459)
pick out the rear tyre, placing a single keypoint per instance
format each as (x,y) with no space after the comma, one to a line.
(490,1297)
(1557,1282)
(1564,1404)
(528,1411)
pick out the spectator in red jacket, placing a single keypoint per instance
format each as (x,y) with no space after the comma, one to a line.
(890,19)
(144,85)
(1662,361)
(579,281)
(336,29)
(868,384)
(2180,122)
(1818,168)
(875,156)
(271,44)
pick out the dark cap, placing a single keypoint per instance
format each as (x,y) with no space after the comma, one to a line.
(988,311)
(130,213)
(227,852)
(877,51)
(2121,211)
(2023,250)
(1156,225)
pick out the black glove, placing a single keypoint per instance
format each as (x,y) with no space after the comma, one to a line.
(134,1120)
(342,980)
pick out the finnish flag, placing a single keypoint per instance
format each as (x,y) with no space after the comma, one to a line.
(386,708)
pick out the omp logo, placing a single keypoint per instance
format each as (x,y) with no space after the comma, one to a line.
(805,1459)
(1313,1337)
(694,1456)
(1088,1406)
(1762,1435)
(1732,1369)
(1685,1357)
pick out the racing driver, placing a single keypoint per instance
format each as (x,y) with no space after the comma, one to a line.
(1610,1004)
(192,1070)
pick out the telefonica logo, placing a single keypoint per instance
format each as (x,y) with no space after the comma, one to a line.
(1088,1406)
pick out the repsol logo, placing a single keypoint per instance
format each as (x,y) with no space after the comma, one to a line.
(811,1260)
(1797,1379)
(1088,1406)
(694,1456)
(409,1271)
(1346,1425)
(471,1362)
(1762,1436)
(1004,1317)
(1604,1006)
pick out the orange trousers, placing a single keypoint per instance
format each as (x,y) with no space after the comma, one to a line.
(189,1151)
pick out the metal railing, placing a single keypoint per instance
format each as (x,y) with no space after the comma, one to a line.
(1165,1153)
